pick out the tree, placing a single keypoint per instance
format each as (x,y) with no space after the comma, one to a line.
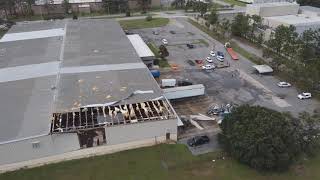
(66,5)
(256,22)
(188,5)
(178,3)
(115,6)
(240,25)
(202,8)
(225,26)
(315,3)
(213,17)
(30,3)
(284,40)
(144,5)
(310,132)
(163,51)
(307,48)
(261,138)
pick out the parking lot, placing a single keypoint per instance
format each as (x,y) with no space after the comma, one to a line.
(237,84)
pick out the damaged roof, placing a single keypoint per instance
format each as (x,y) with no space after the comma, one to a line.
(93,63)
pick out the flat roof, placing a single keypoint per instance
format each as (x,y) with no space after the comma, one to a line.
(296,19)
(140,46)
(310,8)
(93,63)
(272,4)
(262,69)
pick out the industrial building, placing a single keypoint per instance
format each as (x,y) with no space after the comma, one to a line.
(285,13)
(142,49)
(301,22)
(264,1)
(272,9)
(65,88)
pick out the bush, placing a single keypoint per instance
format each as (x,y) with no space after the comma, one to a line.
(149,18)
(128,14)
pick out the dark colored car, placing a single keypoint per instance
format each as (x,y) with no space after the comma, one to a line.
(191,63)
(184,83)
(190,46)
(172,32)
(198,140)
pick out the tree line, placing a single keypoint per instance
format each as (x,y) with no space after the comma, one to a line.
(315,3)
(14,7)
(296,57)
(266,139)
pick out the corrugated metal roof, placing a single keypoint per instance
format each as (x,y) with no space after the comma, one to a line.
(140,46)
(262,69)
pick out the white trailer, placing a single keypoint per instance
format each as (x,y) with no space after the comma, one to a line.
(168,82)
(184,91)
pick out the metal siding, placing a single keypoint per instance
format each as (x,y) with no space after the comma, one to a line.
(140,131)
(184,91)
(49,145)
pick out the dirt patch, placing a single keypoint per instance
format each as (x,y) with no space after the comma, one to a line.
(299,170)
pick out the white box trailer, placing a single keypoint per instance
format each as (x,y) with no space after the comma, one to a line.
(168,82)
(184,91)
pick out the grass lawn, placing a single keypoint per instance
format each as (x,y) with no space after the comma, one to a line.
(2,33)
(161,162)
(142,23)
(253,58)
(207,31)
(235,2)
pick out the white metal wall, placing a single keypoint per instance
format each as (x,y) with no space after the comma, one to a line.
(48,145)
(140,131)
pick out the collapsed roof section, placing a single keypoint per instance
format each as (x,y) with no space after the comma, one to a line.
(98,116)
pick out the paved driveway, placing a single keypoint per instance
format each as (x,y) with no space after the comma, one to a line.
(205,148)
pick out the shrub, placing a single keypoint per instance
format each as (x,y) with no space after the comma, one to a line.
(149,18)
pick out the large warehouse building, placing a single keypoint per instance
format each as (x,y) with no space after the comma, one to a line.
(64,88)
(286,13)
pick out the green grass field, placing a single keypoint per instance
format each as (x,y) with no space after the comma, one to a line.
(142,23)
(161,162)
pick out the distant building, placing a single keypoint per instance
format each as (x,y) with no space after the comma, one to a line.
(265,1)
(82,6)
(286,13)
(272,9)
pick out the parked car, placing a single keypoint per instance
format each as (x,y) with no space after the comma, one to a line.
(198,140)
(304,95)
(199,61)
(284,84)
(209,59)
(164,41)
(212,53)
(172,32)
(155,32)
(208,67)
(190,46)
(191,63)
(220,56)
(184,83)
